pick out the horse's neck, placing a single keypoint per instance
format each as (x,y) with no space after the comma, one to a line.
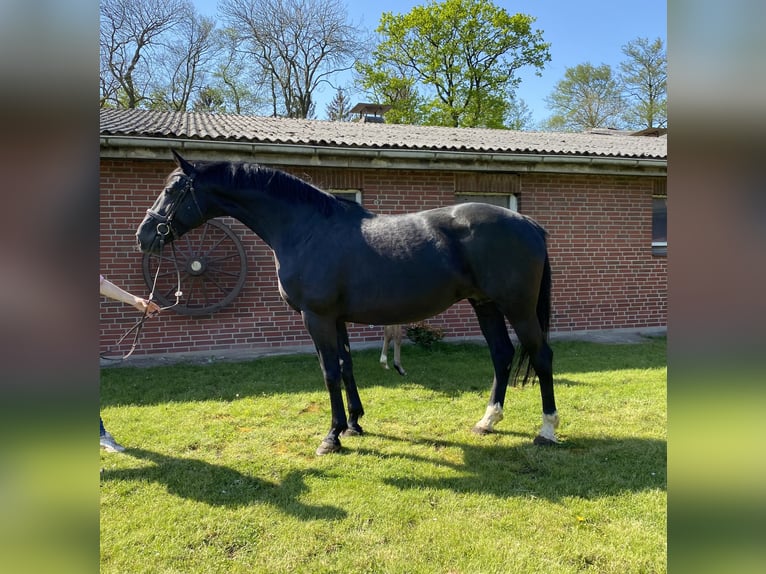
(275,218)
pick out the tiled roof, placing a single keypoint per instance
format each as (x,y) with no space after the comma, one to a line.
(269,130)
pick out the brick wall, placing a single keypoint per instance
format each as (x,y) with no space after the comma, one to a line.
(600,227)
(600,243)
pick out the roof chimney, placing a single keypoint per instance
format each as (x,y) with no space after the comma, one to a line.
(370,113)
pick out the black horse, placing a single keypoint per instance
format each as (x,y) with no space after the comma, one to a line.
(339,263)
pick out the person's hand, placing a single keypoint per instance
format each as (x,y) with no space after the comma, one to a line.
(150,306)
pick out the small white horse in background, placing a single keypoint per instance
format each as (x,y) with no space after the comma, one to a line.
(392,333)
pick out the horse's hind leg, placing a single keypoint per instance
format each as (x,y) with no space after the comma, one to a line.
(541,357)
(396,335)
(355,408)
(492,323)
(392,333)
(384,350)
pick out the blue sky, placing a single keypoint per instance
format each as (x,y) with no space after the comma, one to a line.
(579,31)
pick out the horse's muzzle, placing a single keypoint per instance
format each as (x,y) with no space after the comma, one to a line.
(144,247)
(149,238)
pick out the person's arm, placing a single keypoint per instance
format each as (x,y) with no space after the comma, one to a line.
(109,289)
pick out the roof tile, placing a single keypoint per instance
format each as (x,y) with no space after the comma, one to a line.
(256,129)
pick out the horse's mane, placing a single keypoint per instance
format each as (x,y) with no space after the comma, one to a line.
(278,183)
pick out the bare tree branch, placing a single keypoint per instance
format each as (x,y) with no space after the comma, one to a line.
(129,31)
(299,44)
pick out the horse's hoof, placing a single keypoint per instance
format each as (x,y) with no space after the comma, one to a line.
(327,447)
(401,371)
(481,430)
(353,430)
(540,440)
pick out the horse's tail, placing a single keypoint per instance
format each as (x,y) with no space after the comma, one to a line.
(544,317)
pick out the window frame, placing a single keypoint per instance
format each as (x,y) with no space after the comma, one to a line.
(357,193)
(512,199)
(659,248)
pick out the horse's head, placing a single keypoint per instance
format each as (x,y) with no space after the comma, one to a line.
(177,210)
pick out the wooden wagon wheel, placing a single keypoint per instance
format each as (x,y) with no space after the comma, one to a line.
(213,267)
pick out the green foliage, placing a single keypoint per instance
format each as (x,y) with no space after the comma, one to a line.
(220,473)
(588,97)
(454,61)
(595,97)
(396,90)
(210,99)
(423,334)
(518,115)
(158,100)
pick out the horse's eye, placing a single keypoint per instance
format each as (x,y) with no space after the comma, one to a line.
(172,189)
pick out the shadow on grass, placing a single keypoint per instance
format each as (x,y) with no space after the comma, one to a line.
(218,485)
(449,369)
(585,467)
(568,356)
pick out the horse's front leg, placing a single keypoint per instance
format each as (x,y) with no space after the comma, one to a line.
(355,408)
(324,334)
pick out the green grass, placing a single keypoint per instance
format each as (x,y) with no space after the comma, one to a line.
(220,473)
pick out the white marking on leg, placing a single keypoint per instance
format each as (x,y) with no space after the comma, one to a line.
(384,360)
(493,414)
(550,423)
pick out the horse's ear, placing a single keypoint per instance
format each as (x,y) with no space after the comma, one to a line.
(185,166)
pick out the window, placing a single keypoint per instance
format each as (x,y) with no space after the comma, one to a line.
(507,200)
(494,188)
(660,219)
(350,194)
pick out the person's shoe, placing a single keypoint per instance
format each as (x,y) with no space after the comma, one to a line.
(109,444)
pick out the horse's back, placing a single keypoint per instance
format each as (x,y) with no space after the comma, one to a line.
(475,214)
(479,236)
(482,228)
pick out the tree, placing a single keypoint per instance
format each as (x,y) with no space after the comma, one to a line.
(186,60)
(209,99)
(396,89)
(588,97)
(644,75)
(518,116)
(456,60)
(339,109)
(131,31)
(240,83)
(298,44)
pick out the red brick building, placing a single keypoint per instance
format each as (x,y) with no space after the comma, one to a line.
(601,196)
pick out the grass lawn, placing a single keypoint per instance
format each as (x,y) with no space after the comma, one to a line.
(220,474)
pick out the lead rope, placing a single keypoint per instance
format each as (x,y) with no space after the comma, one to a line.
(139,325)
(178,293)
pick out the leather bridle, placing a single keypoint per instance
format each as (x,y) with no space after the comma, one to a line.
(165,222)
